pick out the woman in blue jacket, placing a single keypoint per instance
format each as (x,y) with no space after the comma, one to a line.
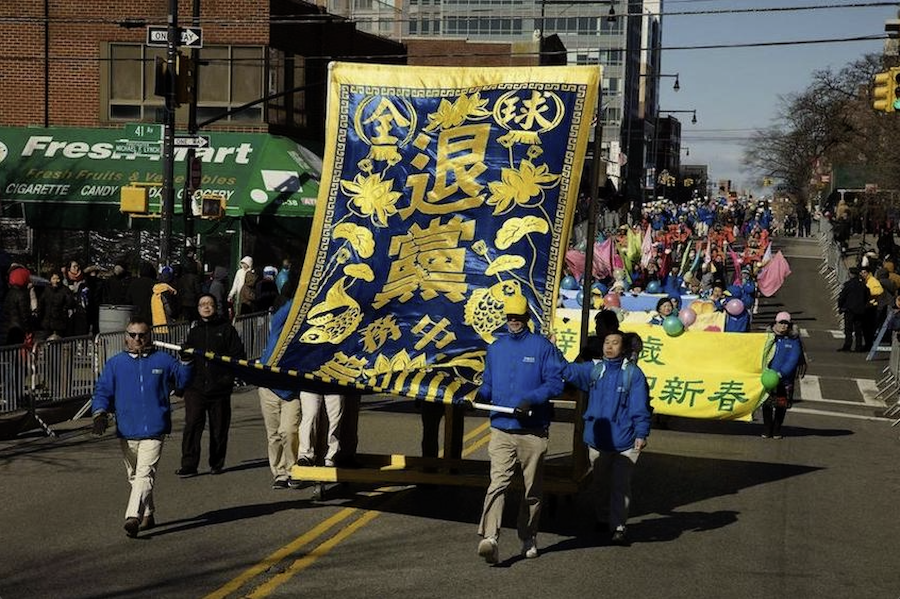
(616,425)
(787,357)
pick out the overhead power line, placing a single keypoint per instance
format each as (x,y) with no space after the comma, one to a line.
(312,18)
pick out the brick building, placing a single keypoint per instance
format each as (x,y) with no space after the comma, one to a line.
(75,73)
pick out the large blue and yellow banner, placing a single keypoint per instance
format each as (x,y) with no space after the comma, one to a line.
(444,190)
(698,374)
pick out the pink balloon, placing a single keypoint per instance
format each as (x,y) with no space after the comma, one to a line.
(612,299)
(687,316)
(734,307)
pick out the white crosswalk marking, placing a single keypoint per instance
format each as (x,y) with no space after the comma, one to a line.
(810,389)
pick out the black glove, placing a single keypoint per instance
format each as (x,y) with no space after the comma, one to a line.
(101,423)
(184,355)
(523,410)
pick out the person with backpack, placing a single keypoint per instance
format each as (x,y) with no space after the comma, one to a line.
(616,425)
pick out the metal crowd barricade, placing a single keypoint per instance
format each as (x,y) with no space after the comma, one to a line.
(253,330)
(61,370)
(15,364)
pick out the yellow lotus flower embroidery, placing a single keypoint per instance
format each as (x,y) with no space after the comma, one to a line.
(519,185)
(453,115)
(373,197)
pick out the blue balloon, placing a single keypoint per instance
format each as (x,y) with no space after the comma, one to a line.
(602,288)
(569,283)
(654,287)
(580,298)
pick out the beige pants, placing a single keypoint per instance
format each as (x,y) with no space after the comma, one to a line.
(141,458)
(310,404)
(282,419)
(507,450)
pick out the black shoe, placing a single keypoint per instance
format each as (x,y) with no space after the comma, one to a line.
(132,526)
(280,483)
(620,538)
(216,471)
(186,472)
(860,350)
(844,348)
(148,522)
(295,484)
(305,461)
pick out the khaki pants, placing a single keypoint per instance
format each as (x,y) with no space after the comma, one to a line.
(310,404)
(506,451)
(141,458)
(282,419)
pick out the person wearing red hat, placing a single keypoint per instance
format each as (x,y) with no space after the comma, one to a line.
(17,308)
(788,353)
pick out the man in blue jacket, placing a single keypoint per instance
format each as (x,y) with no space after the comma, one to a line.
(521,372)
(616,426)
(135,385)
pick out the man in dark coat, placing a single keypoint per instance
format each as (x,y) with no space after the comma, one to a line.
(209,392)
(140,291)
(852,302)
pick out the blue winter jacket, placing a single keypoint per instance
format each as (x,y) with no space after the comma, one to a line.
(521,370)
(136,388)
(615,416)
(788,349)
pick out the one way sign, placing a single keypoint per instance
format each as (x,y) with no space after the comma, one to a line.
(196,142)
(189,37)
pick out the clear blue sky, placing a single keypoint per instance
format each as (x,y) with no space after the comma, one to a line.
(735,90)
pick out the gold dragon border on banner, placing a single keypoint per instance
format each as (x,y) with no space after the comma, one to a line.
(444,190)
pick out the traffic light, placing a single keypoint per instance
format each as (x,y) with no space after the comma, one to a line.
(185,79)
(212,206)
(887,89)
(134,199)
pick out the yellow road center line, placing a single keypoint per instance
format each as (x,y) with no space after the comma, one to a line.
(477,430)
(474,446)
(299,565)
(307,560)
(254,571)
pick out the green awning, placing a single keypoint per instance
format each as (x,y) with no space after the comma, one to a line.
(50,170)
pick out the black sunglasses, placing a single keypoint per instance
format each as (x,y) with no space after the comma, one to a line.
(134,335)
(787,322)
(517,317)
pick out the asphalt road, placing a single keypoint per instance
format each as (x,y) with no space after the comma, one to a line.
(718,511)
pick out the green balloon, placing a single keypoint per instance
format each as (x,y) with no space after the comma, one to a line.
(769,379)
(672,325)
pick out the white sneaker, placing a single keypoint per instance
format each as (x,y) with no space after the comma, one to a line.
(329,463)
(529,548)
(489,550)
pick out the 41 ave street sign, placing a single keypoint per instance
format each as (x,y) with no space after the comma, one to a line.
(189,37)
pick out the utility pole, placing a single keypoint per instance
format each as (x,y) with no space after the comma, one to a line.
(191,185)
(168,187)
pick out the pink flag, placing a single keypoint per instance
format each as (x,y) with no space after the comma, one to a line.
(647,247)
(603,259)
(767,256)
(575,262)
(773,274)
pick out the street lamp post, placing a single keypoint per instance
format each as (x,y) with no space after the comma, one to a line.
(675,87)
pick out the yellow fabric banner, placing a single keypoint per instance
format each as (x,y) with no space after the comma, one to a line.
(698,374)
(444,191)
